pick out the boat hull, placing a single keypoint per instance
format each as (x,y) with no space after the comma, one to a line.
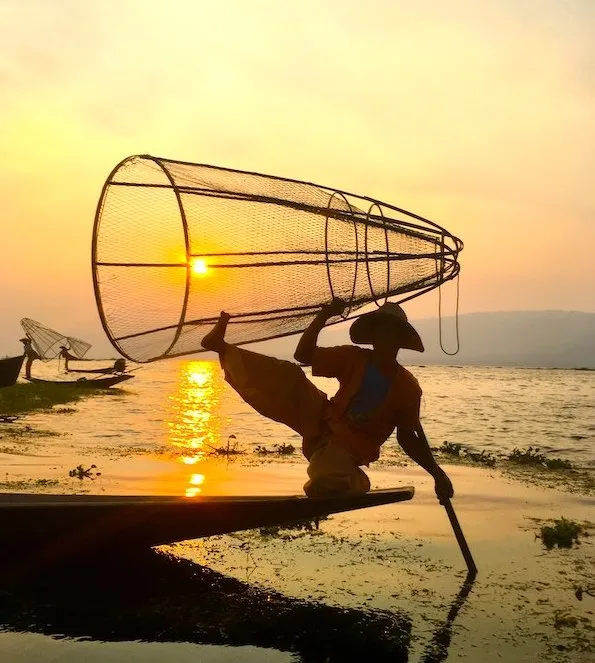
(83,383)
(10,367)
(104,371)
(65,524)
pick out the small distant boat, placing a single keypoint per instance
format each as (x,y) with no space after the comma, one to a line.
(117,368)
(108,370)
(65,524)
(10,367)
(49,344)
(83,383)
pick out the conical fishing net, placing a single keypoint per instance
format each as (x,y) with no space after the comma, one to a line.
(46,342)
(175,243)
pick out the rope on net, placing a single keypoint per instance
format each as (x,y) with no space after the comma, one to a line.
(457,336)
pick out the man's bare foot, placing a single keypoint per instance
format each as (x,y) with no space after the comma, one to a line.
(214,340)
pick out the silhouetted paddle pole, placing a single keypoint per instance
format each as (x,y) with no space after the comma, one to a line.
(454,521)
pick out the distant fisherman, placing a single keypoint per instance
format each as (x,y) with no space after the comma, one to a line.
(30,353)
(66,356)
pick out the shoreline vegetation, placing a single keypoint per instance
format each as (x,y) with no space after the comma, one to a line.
(25,398)
(527,465)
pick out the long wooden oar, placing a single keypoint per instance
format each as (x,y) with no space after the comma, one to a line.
(454,521)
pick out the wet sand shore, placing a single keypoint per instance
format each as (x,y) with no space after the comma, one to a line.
(398,566)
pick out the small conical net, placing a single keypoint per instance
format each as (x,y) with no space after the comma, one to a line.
(46,342)
(175,243)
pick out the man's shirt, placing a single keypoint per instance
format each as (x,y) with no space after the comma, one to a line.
(371,402)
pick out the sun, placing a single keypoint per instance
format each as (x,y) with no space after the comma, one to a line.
(199,266)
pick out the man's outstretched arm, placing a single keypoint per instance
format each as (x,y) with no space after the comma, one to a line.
(308,342)
(418,449)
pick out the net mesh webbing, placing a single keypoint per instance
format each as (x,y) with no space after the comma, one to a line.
(46,342)
(175,243)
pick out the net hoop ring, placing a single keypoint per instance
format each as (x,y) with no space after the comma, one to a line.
(94,267)
(372,293)
(338,194)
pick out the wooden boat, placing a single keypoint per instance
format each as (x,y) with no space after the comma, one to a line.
(108,370)
(117,368)
(10,367)
(65,524)
(83,383)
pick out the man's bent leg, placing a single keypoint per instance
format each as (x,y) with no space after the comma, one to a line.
(276,388)
(334,472)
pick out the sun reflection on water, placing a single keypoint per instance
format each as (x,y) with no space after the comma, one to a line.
(196,480)
(195,424)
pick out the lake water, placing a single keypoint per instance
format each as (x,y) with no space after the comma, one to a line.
(157,433)
(395,569)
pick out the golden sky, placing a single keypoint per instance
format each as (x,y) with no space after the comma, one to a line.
(478,115)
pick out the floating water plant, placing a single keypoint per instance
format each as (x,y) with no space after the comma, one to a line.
(482,458)
(558,464)
(458,451)
(279,449)
(298,525)
(534,456)
(81,473)
(19,432)
(284,449)
(228,449)
(27,484)
(563,619)
(564,533)
(450,449)
(529,456)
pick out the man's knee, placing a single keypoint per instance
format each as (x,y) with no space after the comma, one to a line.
(337,484)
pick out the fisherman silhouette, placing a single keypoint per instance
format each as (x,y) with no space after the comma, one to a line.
(29,353)
(376,395)
(65,354)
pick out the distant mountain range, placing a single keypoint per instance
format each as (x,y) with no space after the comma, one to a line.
(548,339)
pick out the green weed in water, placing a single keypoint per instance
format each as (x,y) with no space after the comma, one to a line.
(482,458)
(81,473)
(564,533)
(564,619)
(533,456)
(28,484)
(296,526)
(279,449)
(21,432)
(558,464)
(529,456)
(450,448)
(458,451)
(228,450)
